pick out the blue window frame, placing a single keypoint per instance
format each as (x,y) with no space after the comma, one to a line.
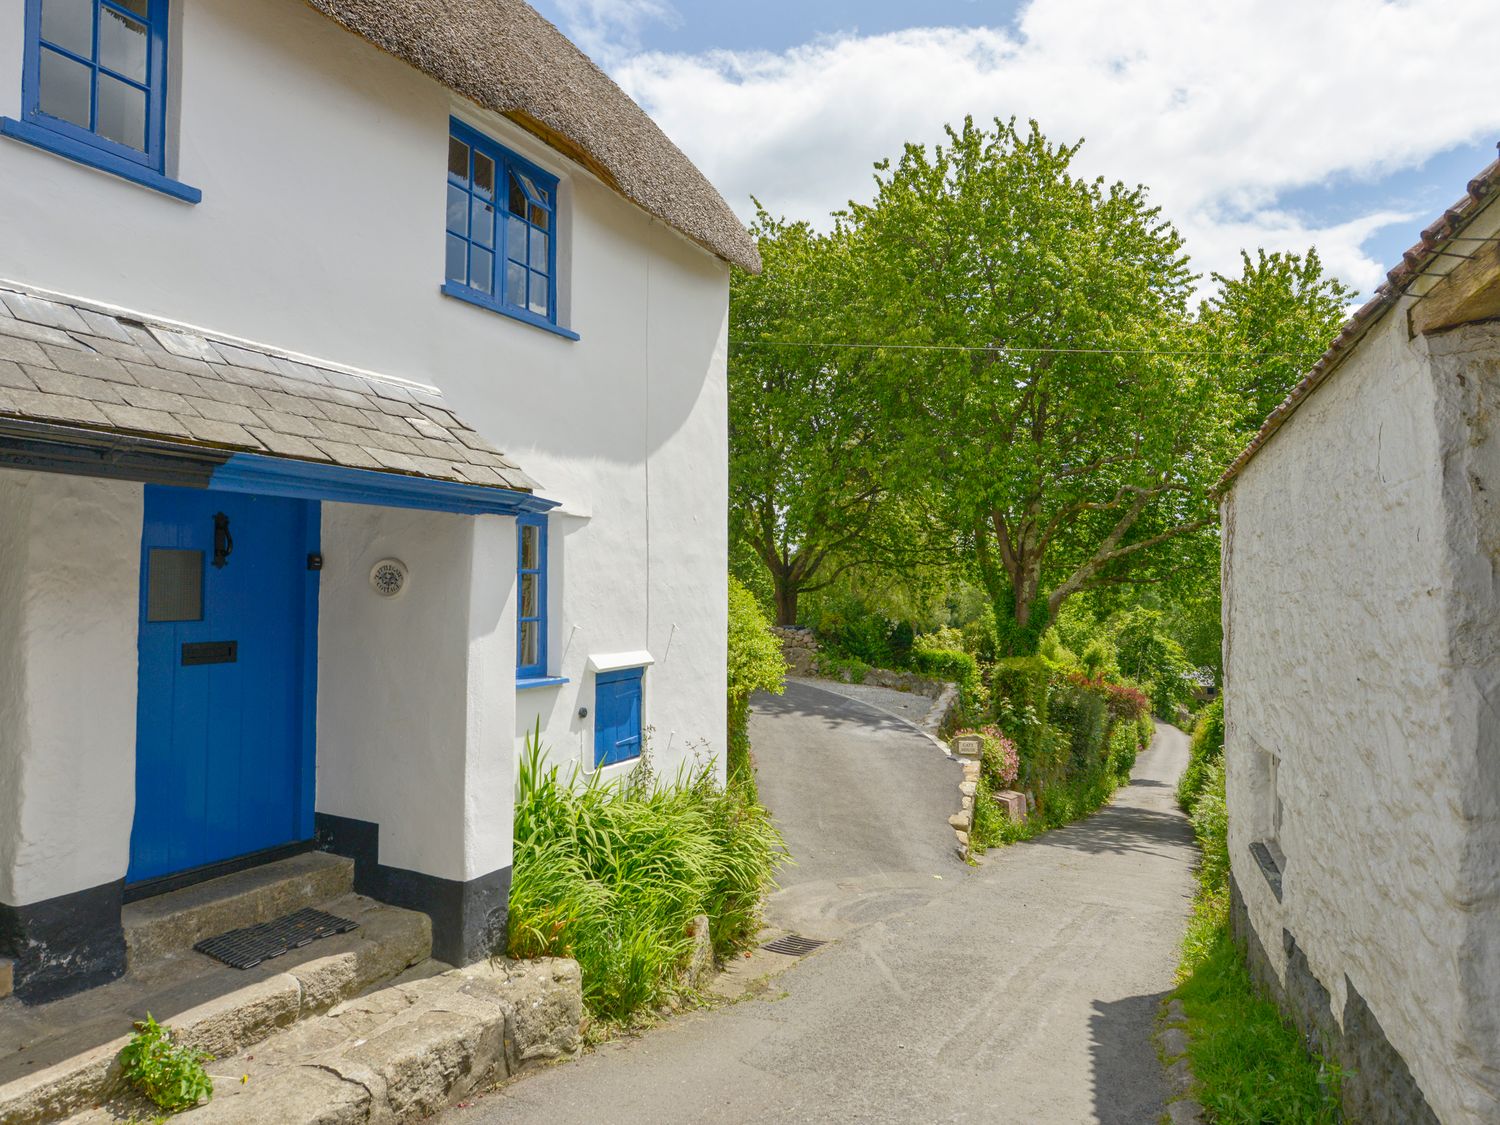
(531,597)
(617,716)
(96,73)
(501,245)
(94,87)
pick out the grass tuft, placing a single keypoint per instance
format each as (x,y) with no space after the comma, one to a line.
(613,875)
(1249,1063)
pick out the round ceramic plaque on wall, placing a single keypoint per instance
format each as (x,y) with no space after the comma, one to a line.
(388,577)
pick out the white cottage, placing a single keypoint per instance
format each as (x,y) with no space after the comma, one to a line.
(1362,661)
(279,281)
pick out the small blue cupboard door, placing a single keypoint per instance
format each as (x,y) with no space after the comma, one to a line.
(223,745)
(617,716)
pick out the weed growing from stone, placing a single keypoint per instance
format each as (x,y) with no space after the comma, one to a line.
(167,1072)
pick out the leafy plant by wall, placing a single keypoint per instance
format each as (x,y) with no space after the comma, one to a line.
(1207,749)
(614,874)
(755,664)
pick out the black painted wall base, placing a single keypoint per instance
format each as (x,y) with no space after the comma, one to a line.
(1378,1087)
(468,918)
(66,944)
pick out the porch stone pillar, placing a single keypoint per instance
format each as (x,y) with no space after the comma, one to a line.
(416,716)
(69,606)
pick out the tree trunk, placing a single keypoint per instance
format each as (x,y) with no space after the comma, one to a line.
(786,599)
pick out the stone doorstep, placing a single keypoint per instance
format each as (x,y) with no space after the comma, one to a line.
(399,1054)
(58,1058)
(180,919)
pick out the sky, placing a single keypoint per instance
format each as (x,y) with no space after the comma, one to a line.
(1342,124)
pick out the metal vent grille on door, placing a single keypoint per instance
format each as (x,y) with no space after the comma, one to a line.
(174,585)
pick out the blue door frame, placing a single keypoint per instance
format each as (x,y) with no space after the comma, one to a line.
(226,705)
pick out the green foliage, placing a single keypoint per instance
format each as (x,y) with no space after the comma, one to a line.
(848,669)
(987,827)
(808,483)
(848,626)
(614,874)
(952,665)
(1149,656)
(1207,749)
(1268,325)
(1083,715)
(1020,686)
(755,664)
(1248,1062)
(1077,453)
(980,638)
(1077,739)
(167,1072)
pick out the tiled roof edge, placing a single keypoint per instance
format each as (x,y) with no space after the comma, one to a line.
(1414,262)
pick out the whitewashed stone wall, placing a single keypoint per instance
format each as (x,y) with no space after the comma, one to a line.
(321,161)
(1362,631)
(70,553)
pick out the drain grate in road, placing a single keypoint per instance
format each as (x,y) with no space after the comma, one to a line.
(245,948)
(794,945)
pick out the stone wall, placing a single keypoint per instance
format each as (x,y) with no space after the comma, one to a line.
(800,648)
(1377,1085)
(1362,659)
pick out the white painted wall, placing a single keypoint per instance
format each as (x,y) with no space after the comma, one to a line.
(70,553)
(1361,644)
(321,231)
(415,697)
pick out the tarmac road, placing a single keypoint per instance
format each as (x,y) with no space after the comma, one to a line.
(1024,990)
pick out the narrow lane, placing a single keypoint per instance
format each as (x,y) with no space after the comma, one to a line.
(1024,990)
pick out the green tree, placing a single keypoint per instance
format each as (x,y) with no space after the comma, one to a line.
(809,493)
(1263,329)
(1043,389)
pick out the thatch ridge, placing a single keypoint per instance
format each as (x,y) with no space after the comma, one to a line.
(503,55)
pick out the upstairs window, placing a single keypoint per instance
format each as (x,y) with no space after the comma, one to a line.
(531,606)
(502,230)
(96,75)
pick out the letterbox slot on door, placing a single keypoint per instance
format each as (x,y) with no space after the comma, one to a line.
(211,652)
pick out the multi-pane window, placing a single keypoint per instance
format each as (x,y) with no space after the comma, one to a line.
(502,213)
(96,73)
(531,607)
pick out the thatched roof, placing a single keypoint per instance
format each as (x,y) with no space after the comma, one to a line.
(504,56)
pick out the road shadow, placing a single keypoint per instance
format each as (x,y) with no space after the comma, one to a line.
(1129,1085)
(1120,829)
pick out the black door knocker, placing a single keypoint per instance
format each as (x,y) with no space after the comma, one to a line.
(223,541)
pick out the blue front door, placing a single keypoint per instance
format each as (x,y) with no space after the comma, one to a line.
(223,730)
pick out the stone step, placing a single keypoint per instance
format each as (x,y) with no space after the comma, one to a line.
(180,919)
(58,1058)
(401,1053)
(7,976)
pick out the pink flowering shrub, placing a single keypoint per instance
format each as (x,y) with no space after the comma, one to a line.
(1002,763)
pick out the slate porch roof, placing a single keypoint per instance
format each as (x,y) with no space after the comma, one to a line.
(69,364)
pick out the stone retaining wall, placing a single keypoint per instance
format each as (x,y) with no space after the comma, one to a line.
(1378,1087)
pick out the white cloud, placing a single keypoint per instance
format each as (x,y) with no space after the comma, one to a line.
(606,29)
(1219,107)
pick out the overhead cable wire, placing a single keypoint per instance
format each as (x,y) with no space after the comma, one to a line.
(1000,348)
